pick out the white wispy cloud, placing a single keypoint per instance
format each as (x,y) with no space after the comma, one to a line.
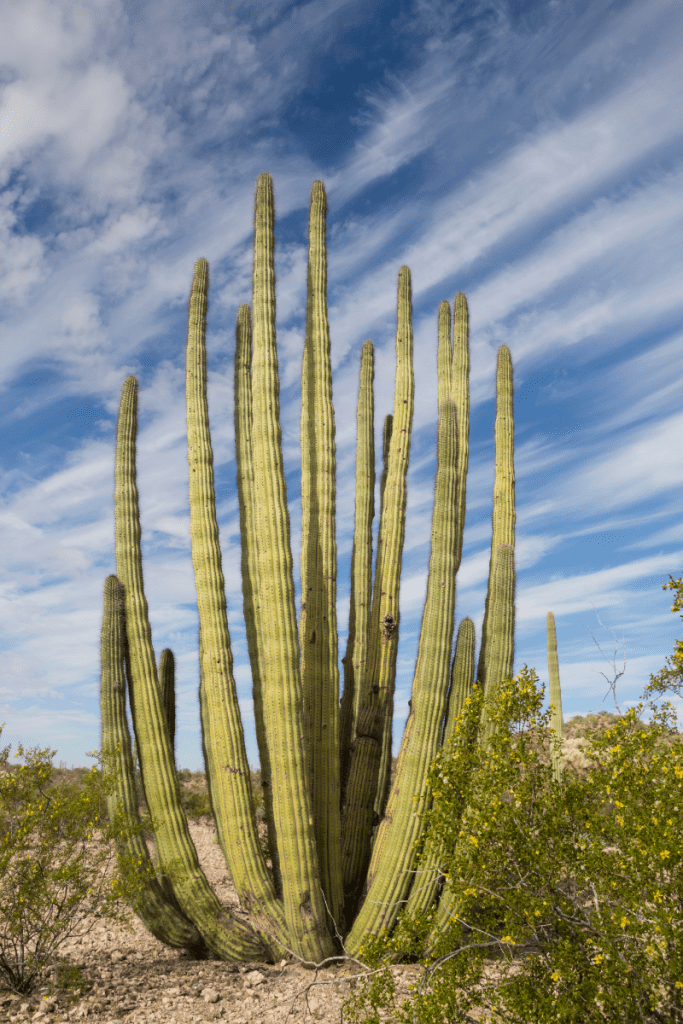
(535,165)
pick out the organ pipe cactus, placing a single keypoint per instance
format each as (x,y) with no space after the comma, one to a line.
(340,866)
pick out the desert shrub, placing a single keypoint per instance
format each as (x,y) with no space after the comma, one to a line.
(562,901)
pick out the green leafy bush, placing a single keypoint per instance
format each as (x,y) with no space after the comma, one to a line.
(564,901)
(54,855)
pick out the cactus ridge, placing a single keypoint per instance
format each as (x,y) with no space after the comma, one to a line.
(342,836)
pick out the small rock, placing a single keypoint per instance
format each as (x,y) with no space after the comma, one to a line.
(117,956)
(254,978)
(209,995)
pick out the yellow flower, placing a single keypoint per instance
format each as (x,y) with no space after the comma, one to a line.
(599,958)
(555,976)
(623,922)
(664,854)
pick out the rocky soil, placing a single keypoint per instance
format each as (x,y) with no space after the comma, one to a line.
(107,972)
(116,975)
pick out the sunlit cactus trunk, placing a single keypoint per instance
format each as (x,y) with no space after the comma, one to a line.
(377,686)
(224,935)
(318,627)
(342,842)
(361,563)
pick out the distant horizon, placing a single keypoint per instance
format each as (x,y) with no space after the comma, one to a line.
(525,153)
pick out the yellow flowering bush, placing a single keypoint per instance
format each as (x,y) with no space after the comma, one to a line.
(560,901)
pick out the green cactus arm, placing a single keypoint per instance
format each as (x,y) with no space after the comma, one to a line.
(385,758)
(501,652)
(249,566)
(364,781)
(167,684)
(227,765)
(556,719)
(428,875)
(225,936)
(361,560)
(462,676)
(499,666)
(304,906)
(444,353)
(318,630)
(460,393)
(155,906)
(390,875)
(384,777)
(503,517)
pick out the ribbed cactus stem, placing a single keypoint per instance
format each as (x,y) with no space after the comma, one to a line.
(361,561)
(499,666)
(318,628)
(225,936)
(393,856)
(460,393)
(365,781)
(556,719)
(462,676)
(249,550)
(503,517)
(444,353)
(167,684)
(307,919)
(384,778)
(231,794)
(501,652)
(428,873)
(155,905)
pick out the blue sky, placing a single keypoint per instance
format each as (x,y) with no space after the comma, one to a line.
(529,155)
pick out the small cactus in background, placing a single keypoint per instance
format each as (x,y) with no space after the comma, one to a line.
(341,826)
(557,721)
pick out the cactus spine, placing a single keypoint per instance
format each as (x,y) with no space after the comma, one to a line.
(556,719)
(318,878)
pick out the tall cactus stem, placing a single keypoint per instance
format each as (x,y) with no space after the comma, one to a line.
(499,666)
(361,562)
(318,627)
(462,676)
(249,566)
(385,761)
(231,793)
(390,874)
(307,920)
(167,684)
(503,517)
(225,936)
(365,781)
(428,874)
(156,905)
